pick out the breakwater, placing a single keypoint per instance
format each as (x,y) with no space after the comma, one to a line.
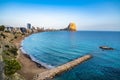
(60,69)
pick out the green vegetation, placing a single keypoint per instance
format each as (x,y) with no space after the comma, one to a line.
(7,31)
(15,37)
(4,36)
(23,33)
(7,46)
(6,52)
(10,52)
(13,51)
(11,66)
(2,27)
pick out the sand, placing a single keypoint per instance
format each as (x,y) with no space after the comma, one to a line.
(29,68)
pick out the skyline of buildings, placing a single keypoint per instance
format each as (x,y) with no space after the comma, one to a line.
(27,29)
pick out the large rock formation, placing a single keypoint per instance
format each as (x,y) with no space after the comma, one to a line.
(72,27)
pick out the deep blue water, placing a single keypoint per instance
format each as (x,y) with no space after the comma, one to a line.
(52,49)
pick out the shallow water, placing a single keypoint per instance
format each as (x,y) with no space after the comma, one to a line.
(52,49)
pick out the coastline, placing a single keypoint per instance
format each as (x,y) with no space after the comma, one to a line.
(29,67)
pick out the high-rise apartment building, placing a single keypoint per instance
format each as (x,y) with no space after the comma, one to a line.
(28,26)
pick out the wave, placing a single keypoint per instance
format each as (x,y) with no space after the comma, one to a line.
(37,61)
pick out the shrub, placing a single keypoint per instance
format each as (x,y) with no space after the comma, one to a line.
(3,35)
(7,46)
(11,66)
(13,50)
(23,33)
(7,31)
(6,52)
(10,51)
(2,27)
(15,37)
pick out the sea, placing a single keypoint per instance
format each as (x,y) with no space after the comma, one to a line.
(52,49)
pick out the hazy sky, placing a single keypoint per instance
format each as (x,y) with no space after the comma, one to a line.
(87,14)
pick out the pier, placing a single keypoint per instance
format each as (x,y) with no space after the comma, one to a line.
(47,75)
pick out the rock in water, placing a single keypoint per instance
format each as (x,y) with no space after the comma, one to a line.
(106,48)
(72,27)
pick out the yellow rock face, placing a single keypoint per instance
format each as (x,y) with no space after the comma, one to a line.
(72,27)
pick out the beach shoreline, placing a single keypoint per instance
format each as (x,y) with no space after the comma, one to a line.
(29,67)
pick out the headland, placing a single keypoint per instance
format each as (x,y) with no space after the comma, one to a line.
(12,38)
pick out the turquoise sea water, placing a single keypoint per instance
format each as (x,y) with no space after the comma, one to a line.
(52,49)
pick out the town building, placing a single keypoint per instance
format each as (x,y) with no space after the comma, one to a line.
(29,26)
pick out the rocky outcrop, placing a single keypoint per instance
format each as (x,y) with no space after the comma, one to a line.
(72,27)
(106,48)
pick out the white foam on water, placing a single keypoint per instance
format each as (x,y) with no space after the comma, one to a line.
(37,61)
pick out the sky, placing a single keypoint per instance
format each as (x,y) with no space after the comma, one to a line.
(98,15)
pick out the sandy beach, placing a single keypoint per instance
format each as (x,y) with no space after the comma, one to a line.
(29,67)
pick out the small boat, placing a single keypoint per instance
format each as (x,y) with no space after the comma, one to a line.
(106,48)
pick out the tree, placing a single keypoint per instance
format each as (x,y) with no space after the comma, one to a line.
(2,27)
(11,66)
